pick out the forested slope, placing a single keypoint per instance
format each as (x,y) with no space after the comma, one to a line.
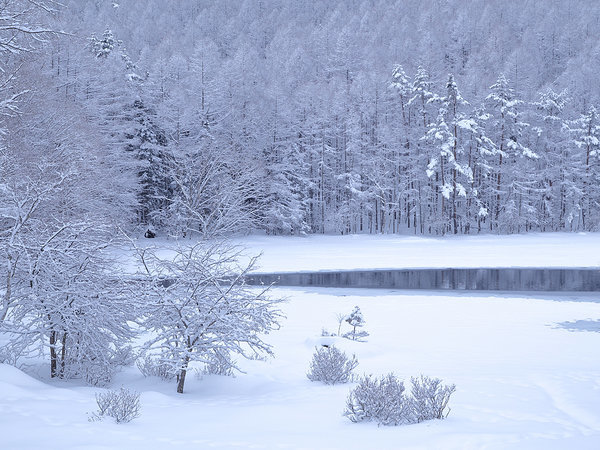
(427,117)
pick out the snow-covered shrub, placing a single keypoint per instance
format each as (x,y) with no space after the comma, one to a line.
(219,363)
(380,400)
(383,400)
(122,405)
(124,356)
(155,367)
(356,320)
(75,308)
(11,351)
(331,365)
(93,374)
(430,398)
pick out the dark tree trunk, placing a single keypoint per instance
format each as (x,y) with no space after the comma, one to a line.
(53,356)
(63,354)
(181,376)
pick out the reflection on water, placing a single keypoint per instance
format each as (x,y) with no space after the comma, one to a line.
(501,279)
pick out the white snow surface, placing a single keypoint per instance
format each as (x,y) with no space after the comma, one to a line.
(312,253)
(526,370)
(348,252)
(525,366)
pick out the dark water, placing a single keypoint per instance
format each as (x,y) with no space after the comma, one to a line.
(486,279)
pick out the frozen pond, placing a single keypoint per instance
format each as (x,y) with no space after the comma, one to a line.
(493,279)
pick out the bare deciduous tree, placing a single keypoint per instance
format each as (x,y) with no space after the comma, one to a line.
(199,304)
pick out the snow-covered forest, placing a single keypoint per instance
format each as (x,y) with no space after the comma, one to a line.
(425,117)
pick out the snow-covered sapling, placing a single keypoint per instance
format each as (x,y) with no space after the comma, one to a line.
(341,318)
(430,398)
(122,405)
(331,366)
(381,400)
(356,320)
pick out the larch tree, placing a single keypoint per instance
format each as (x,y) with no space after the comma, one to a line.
(453,175)
(506,128)
(585,135)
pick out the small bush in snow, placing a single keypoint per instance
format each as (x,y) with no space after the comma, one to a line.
(380,400)
(10,352)
(155,367)
(383,400)
(219,363)
(356,320)
(430,398)
(331,366)
(124,356)
(94,374)
(122,405)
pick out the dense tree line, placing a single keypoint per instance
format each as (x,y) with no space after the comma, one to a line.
(317,117)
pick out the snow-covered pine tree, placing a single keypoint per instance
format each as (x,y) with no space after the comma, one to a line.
(356,320)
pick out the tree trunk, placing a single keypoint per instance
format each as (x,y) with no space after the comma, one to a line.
(63,355)
(8,289)
(53,356)
(182,374)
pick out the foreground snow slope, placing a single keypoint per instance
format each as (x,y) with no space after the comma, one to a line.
(524,381)
(318,252)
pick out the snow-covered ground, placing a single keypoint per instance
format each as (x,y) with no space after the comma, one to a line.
(526,370)
(290,254)
(525,366)
(329,252)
